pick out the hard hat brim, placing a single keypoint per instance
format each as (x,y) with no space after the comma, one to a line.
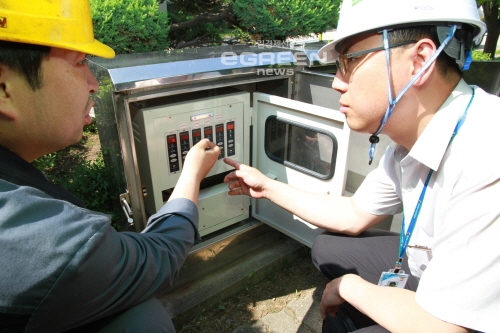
(358,17)
(95,48)
(327,54)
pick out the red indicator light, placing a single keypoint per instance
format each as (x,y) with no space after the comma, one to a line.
(219,129)
(184,137)
(230,126)
(171,139)
(208,131)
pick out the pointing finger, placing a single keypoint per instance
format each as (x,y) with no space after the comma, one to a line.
(233,163)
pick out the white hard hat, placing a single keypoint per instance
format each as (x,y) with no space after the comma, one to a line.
(358,16)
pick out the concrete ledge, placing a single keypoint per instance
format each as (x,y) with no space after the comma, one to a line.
(227,268)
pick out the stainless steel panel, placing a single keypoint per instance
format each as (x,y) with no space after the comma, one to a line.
(136,71)
(316,88)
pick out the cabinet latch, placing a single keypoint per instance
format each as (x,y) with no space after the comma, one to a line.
(124,199)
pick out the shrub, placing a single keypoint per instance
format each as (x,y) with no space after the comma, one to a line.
(480,56)
(278,19)
(89,182)
(130,26)
(241,36)
(46,162)
(85,177)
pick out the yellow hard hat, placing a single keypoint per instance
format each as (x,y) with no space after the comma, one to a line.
(65,24)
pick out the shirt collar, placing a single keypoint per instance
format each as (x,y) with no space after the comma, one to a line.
(433,142)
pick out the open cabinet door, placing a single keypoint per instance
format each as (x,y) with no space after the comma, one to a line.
(300,144)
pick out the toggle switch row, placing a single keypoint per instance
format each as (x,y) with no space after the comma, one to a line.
(222,131)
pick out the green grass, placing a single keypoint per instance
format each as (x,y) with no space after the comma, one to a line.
(73,170)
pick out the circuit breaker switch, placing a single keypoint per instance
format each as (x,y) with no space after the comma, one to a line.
(173,152)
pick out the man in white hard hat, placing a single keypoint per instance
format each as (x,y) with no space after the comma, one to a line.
(64,267)
(399,65)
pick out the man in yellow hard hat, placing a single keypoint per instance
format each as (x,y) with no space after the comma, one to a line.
(399,73)
(63,267)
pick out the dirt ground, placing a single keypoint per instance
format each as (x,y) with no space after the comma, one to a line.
(93,146)
(88,148)
(270,295)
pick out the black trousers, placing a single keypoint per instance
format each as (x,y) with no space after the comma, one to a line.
(366,255)
(147,317)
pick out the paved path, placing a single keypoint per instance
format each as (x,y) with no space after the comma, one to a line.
(299,316)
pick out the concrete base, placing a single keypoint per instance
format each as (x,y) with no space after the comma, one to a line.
(215,273)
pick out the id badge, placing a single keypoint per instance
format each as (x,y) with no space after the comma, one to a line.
(391,279)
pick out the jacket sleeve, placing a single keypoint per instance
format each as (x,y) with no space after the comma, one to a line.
(114,271)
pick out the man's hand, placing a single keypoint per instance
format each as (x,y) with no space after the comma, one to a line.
(395,309)
(331,299)
(200,159)
(245,180)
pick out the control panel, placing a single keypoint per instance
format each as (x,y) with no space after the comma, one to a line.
(163,136)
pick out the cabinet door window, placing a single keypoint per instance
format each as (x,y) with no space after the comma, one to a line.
(306,149)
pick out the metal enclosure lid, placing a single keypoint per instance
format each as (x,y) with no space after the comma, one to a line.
(311,116)
(307,53)
(142,70)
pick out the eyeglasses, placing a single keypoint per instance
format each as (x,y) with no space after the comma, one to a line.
(343,61)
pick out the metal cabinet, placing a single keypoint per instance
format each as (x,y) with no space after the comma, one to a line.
(262,106)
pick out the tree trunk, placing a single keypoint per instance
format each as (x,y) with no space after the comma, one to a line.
(225,14)
(490,10)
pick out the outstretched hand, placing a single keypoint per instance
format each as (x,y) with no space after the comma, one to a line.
(245,180)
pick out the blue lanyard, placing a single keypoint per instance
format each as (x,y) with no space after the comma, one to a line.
(404,239)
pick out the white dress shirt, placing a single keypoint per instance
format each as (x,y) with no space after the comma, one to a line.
(459,221)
